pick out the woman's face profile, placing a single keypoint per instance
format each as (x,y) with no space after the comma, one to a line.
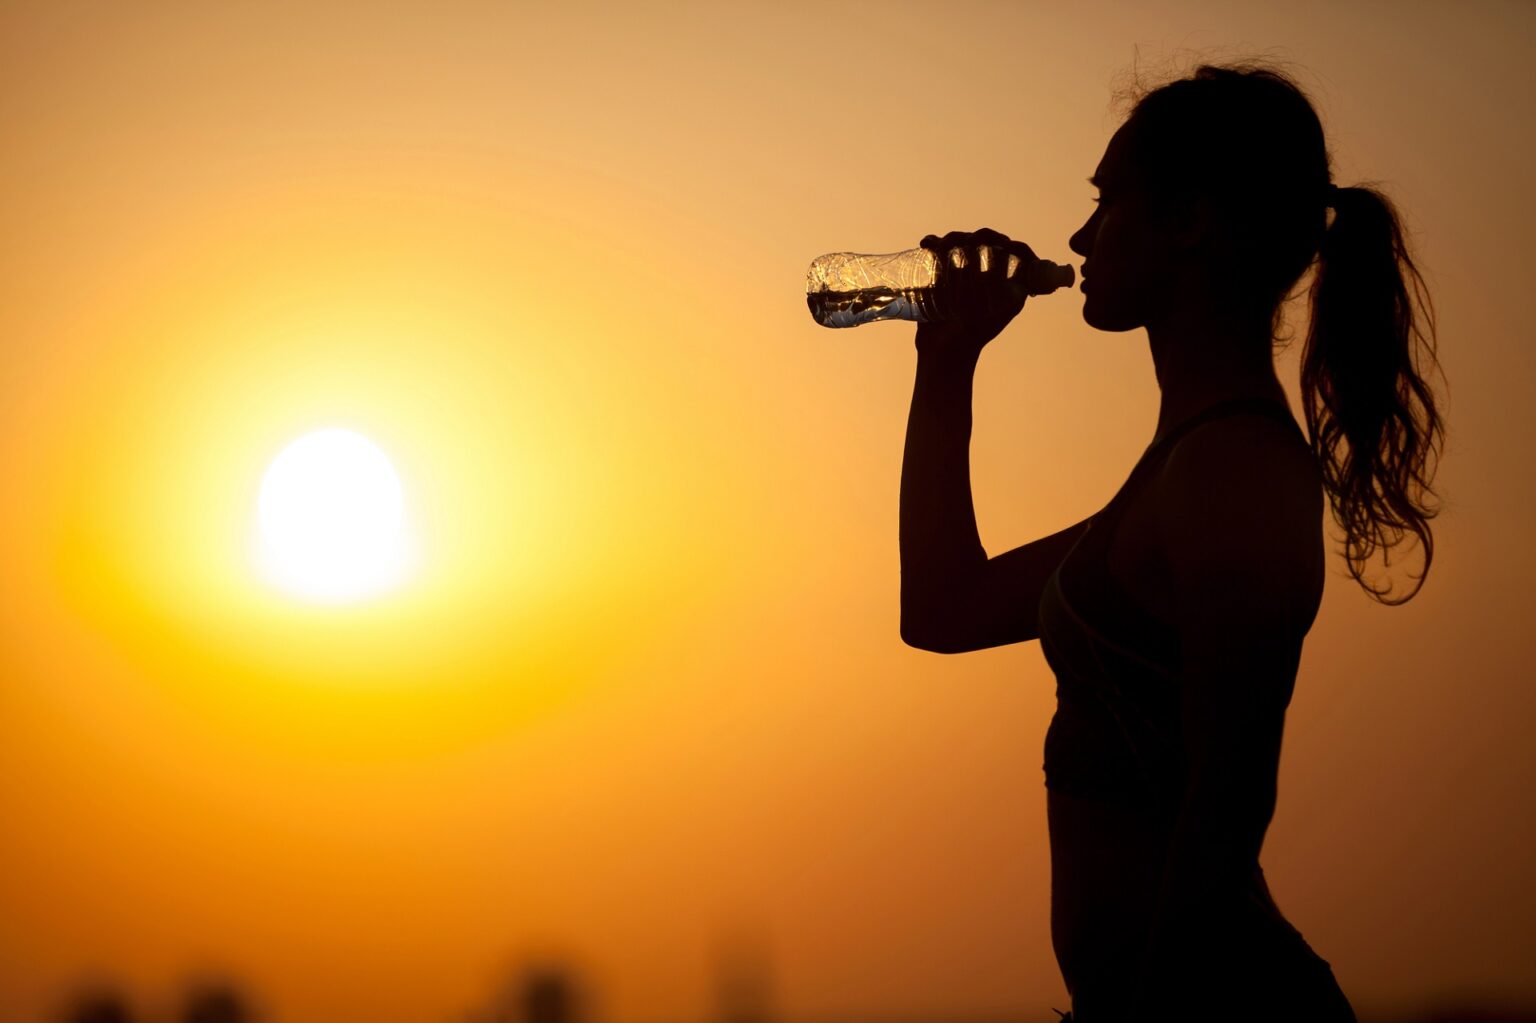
(1125,254)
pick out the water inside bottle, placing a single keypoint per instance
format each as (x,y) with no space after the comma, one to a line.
(852,308)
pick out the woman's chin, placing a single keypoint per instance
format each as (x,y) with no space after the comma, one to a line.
(1099,318)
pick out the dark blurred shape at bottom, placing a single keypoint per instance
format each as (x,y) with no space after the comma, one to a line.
(215,1002)
(97,1005)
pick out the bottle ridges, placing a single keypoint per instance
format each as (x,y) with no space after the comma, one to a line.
(853,308)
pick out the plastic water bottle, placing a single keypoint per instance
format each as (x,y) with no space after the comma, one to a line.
(846,289)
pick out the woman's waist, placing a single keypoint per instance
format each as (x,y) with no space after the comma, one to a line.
(1108,754)
(1106,859)
(1117,851)
(1145,826)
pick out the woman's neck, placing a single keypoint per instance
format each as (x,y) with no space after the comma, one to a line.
(1201,363)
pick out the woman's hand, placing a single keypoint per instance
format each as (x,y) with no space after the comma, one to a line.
(976,293)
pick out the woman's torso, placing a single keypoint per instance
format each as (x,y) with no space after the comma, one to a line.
(1114,765)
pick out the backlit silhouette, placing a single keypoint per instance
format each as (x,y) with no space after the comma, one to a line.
(1174,618)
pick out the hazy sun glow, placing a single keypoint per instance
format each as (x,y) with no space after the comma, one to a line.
(331,519)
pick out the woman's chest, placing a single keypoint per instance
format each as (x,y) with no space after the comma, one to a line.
(1136,560)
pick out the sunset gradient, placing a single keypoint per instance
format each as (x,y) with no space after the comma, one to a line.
(645,688)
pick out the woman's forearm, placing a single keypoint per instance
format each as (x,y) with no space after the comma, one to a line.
(940,546)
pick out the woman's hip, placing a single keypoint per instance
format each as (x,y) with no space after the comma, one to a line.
(1222,988)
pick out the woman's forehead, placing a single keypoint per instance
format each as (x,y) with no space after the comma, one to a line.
(1112,164)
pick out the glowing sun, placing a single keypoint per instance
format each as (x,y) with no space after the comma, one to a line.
(331,519)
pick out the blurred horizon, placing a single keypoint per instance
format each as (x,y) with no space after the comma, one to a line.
(547,988)
(647,685)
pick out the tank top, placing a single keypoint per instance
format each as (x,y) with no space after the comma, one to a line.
(1116,733)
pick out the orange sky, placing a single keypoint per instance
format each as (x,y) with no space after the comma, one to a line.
(647,689)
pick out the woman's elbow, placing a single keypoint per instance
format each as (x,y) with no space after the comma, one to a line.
(922,635)
(955,635)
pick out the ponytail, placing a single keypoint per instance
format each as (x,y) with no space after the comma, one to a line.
(1370,414)
(1247,136)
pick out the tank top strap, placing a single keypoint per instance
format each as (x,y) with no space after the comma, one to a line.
(1231,407)
(1158,450)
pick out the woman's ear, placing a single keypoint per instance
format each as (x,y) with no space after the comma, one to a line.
(1193,226)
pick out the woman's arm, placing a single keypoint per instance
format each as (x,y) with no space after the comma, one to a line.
(941,551)
(953,598)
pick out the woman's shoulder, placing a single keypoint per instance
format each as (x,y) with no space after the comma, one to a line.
(1241,498)
(1261,447)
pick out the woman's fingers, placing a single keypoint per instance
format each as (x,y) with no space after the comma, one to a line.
(999,241)
(976,265)
(970,243)
(949,249)
(973,268)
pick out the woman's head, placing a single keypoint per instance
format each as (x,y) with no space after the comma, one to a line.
(1217,187)
(1222,176)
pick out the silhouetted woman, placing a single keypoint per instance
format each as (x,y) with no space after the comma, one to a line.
(1174,618)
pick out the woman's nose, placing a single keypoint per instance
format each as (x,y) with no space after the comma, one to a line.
(1078,243)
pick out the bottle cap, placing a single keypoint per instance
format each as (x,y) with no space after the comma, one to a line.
(1049,276)
(1043,277)
(1062,276)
